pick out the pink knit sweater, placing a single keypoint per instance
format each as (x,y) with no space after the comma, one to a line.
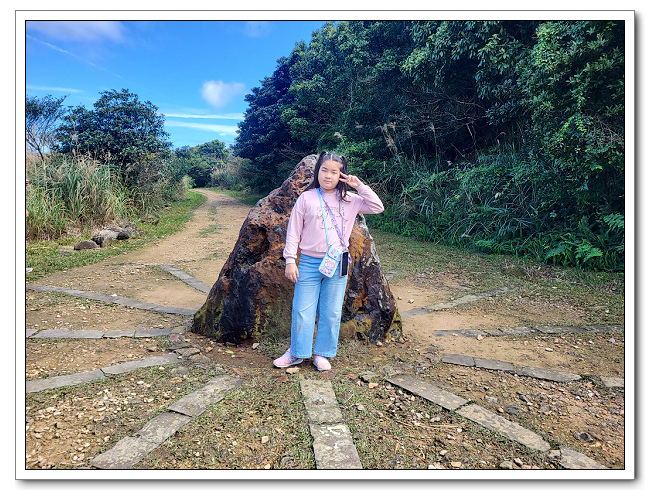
(306,230)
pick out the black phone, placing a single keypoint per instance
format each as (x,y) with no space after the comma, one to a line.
(345,259)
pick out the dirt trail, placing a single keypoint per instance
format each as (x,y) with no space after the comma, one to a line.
(201,248)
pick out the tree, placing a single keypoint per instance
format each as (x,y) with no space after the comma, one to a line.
(120,129)
(468,81)
(42,117)
(263,138)
(574,85)
(213,152)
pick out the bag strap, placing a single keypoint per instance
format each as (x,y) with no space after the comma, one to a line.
(333,217)
(327,236)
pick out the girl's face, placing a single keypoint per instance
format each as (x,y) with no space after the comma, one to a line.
(328,175)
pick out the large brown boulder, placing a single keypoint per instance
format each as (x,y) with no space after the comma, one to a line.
(252,298)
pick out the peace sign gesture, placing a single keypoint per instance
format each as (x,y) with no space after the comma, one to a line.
(350,180)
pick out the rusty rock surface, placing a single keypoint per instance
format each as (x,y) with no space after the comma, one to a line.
(251,298)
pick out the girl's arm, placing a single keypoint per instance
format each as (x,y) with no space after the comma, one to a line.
(371,203)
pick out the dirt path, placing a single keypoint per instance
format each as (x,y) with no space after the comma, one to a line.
(201,248)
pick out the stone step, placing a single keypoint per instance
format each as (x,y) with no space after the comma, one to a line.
(132,449)
(333,445)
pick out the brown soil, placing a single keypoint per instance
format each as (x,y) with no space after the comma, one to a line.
(201,248)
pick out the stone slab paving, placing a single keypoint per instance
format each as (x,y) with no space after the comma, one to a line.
(63,333)
(113,299)
(114,334)
(333,445)
(505,366)
(129,366)
(465,299)
(125,454)
(89,376)
(503,426)
(132,449)
(528,330)
(613,382)
(458,359)
(569,459)
(516,330)
(186,278)
(200,400)
(494,364)
(162,426)
(560,330)
(43,384)
(68,334)
(447,400)
(546,374)
(605,328)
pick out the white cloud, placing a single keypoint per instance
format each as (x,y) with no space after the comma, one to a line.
(222,129)
(218,93)
(257,29)
(79,30)
(68,53)
(227,116)
(52,89)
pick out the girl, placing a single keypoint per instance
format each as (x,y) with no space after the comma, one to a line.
(321,222)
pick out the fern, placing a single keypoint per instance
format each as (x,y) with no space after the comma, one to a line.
(615,221)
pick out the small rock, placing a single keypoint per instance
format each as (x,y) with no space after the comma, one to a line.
(583,436)
(479,337)
(86,245)
(265,439)
(518,462)
(293,370)
(256,345)
(456,464)
(410,301)
(506,464)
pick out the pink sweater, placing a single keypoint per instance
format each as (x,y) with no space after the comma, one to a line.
(306,229)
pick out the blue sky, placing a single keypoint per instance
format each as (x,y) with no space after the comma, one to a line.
(196,72)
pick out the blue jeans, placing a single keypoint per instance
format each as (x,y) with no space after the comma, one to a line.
(316,294)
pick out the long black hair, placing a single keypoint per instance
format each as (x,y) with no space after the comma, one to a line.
(341,187)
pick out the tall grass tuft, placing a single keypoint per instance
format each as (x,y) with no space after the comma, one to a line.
(72,194)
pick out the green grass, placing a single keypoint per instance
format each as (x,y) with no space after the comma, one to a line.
(44,257)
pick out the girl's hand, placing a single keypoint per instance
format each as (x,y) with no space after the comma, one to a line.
(350,180)
(291,272)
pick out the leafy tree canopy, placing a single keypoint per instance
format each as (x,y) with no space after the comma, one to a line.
(42,117)
(120,129)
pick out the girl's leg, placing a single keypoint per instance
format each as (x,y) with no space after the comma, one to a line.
(330,307)
(305,304)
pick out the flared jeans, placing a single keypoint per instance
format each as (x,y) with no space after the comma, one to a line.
(316,295)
